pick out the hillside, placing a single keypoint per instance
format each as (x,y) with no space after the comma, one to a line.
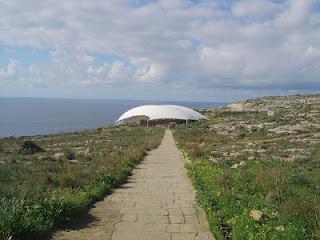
(256,167)
(48,180)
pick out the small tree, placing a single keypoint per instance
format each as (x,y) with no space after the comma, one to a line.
(29,147)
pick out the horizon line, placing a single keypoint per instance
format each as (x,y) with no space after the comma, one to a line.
(113,99)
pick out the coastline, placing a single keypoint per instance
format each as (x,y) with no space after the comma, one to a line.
(29,117)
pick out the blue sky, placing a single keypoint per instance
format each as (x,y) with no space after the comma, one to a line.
(26,55)
(196,50)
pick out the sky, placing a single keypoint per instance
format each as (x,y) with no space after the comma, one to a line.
(189,50)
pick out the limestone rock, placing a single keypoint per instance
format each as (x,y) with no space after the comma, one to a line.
(242,163)
(279,228)
(235,166)
(256,214)
(58,155)
(87,151)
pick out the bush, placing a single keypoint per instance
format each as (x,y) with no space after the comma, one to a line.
(300,180)
(196,151)
(29,147)
(70,155)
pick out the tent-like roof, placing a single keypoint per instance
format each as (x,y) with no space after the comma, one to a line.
(156,112)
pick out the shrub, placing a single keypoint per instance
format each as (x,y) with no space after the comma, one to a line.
(29,147)
(300,180)
(70,155)
(196,151)
(67,180)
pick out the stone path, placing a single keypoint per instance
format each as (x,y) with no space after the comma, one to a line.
(158,202)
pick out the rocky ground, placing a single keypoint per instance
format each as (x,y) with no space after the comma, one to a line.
(291,120)
(256,166)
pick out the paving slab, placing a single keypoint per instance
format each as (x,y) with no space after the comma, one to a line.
(158,202)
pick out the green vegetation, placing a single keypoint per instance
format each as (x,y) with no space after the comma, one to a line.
(47,180)
(255,182)
(29,147)
(70,155)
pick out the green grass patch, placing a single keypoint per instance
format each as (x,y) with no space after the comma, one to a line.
(41,191)
(239,168)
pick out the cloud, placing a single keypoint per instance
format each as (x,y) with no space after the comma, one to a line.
(296,13)
(70,67)
(255,9)
(9,72)
(221,64)
(235,44)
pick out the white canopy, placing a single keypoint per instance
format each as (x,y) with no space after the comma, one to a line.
(156,112)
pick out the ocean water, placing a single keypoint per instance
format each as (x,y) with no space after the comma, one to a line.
(34,116)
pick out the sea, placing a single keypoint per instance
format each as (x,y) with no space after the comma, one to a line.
(38,116)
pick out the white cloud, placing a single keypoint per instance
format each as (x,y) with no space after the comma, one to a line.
(150,73)
(77,68)
(221,64)
(296,13)
(255,8)
(9,72)
(242,44)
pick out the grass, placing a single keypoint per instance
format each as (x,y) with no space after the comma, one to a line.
(41,190)
(235,174)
